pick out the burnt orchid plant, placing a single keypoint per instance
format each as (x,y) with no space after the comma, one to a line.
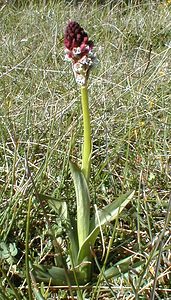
(83,230)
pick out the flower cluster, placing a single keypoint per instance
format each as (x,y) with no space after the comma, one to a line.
(78,50)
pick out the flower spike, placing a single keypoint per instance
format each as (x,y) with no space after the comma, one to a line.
(78,50)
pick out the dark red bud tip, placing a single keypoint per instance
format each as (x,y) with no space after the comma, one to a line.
(75,36)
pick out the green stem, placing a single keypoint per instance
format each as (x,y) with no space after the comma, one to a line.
(87,144)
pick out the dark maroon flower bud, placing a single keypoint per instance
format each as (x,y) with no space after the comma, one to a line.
(75,36)
(78,50)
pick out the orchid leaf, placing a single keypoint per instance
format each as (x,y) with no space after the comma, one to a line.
(83,203)
(123,267)
(59,207)
(73,238)
(101,218)
(58,276)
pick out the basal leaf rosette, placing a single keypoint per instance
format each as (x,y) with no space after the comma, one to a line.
(78,50)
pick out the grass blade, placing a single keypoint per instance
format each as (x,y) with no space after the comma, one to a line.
(28,279)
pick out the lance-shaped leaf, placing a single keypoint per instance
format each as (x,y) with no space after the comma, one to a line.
(60,207)
(58,276)
(106,215)
(83,203)
(73,238)
(123,267)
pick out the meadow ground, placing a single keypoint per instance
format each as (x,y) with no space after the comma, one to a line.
(41,127)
